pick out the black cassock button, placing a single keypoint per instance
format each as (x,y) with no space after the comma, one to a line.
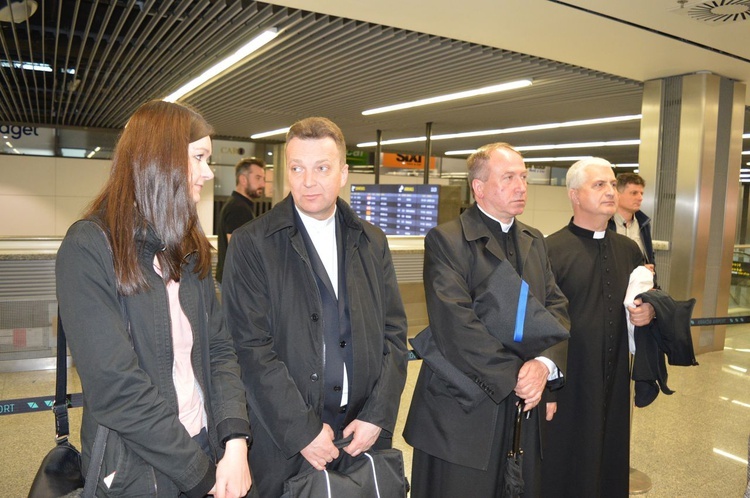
(314,377)
(314,317)
(342,344)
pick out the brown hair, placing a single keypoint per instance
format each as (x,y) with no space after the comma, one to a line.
(316,128)
(149,186)
(478,160)
(625,179)
(244,166)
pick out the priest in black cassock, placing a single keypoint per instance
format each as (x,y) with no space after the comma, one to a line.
(461,418)
(587,445)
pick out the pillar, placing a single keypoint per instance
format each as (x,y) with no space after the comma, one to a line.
(690,154)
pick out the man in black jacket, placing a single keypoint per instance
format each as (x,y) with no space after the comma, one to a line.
(312,303)
(250,183)
(460,448)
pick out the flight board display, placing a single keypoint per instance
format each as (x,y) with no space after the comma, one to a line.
(397,209)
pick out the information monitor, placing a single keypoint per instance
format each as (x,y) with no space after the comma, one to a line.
(397,209)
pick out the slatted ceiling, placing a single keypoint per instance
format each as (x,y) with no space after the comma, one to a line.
(126,52)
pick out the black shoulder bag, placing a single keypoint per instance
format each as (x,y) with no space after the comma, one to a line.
(60,473)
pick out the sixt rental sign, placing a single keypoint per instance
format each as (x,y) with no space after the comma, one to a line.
(405,161)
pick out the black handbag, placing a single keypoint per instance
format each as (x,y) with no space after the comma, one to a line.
(373,474)
(60,473)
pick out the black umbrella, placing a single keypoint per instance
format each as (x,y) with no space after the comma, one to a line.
(513,480)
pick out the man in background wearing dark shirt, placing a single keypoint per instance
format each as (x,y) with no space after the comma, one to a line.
(250,182)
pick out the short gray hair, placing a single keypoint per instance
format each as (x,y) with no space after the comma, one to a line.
(477,162)
(576,173)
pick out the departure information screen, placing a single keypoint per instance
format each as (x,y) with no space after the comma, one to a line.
(397,209)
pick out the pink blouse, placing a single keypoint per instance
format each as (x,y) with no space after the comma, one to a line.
(189,396)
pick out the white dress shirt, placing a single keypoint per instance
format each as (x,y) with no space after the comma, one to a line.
(323,236)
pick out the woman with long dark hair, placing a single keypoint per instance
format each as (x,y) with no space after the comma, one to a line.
(144,327)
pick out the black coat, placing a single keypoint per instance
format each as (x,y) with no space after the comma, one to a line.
(668,335)
(273,305)
(587,448)
(125,365)
(459,256)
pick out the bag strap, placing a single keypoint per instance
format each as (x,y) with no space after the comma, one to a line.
(60,408)
(374,474)
(62,424)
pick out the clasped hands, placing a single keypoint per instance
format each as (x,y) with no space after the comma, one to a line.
(321,451)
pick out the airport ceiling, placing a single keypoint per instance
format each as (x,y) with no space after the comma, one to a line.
(108,56)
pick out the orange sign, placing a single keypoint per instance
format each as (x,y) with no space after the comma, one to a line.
(406,161)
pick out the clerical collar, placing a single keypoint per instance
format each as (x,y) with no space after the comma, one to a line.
(584,233)
(505,226)
(314,224)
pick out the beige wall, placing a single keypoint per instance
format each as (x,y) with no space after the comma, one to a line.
(43,196)
(547,208)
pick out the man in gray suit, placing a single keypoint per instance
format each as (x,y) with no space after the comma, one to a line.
(312,302)
(460,448)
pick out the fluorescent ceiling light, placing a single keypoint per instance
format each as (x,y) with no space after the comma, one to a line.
(580,145)
(462,152)
(271,133)
(745,170)
(626,165)
(746,135)
(501,131)
(452,96)
(746,152)
(554,159)
(32,66)
(225,64)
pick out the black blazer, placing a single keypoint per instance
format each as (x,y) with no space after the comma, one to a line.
(459,257)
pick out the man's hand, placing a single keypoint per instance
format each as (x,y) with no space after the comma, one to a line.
(641,313)
(365,435)
(551,410)
(232,473)
(651,267)
(321,450)
(531,381)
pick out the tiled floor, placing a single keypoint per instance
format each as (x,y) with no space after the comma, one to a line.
(691,444)
(679,440)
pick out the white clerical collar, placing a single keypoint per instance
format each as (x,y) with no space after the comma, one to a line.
(505,226)
(599,235)
(314,223)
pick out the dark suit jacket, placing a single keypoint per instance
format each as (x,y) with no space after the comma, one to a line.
(459,256)
(273,309)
